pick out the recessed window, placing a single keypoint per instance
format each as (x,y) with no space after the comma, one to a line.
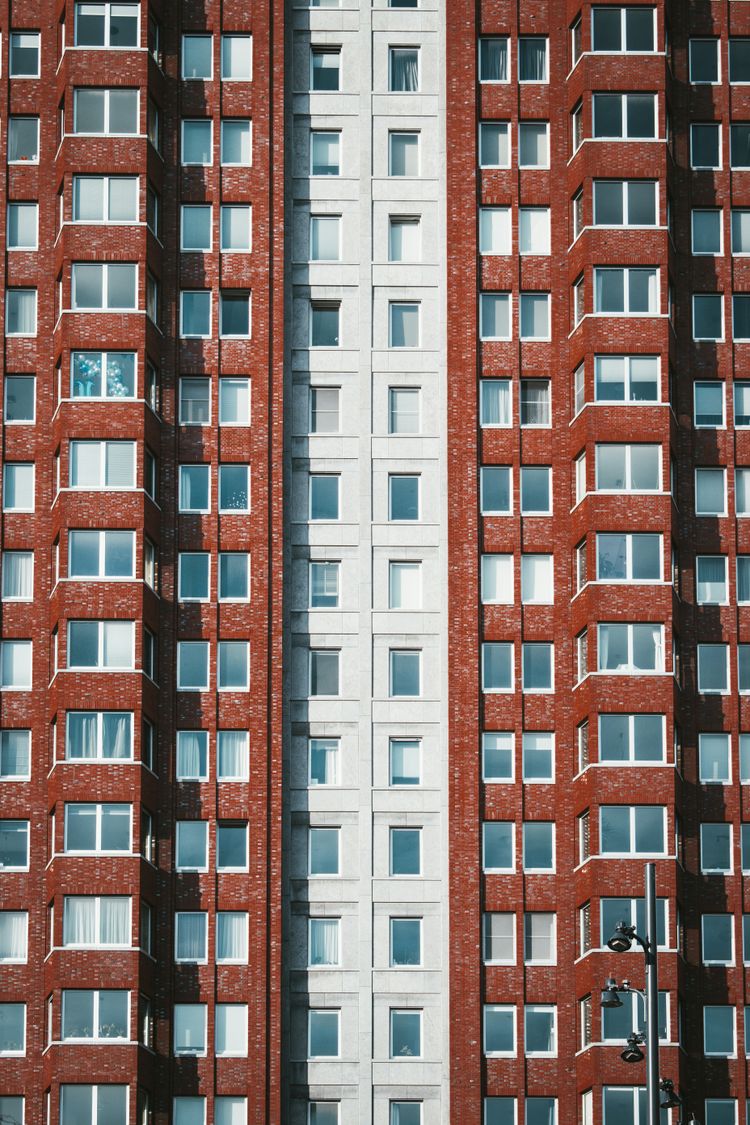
(197,56)
(403,496)
(707,231)
(20,398)
(324,851)
(325,69)
(325,238)
(405,851)
(234,401)
(323,761)
(495,230)
(14,926)
(236,142)
(14,845)
(195,401)
(324,585)
(497,756)
(625,203)
(719,1030)
(403,239)
(324,496)
(497,666)
(494,144)
(403,70)
(711,582)
(323,1034)
(628,468)
(705,145)
(499,939)
(325,153)
(324,410)
(405,942)
(235,228)
(18,487)
(405,585)
(496,490)
(739,59)
(495,402)
(234,314)
(191,845)
(406,1033)
(741,316)
(716,848)
(624,116)
(234,488)
(533,230)
(403,154)
(15,761)
(538,846)
(532,59)
(325,319)
(23,55)
(627,649)
(538,751)
(710,492)
(495,316)
(233,666)
(105,112)
(493,59)
(709,405)
(191,936)
(540,1030)
(324,672)
(236,58)
(713,669)
(704,60)
(20,312)
(189,1111)
(197,141)
(23,140)
(195,313)
(21,231)
(404,755)
(536,490)
(403,410)
(717,939)
(615,30)
(403,325)
(189,1029)
(499,1030)
(739,145)
(192,755)
(536,579)
(231,846)
(714,758)
(195,226)
(534,316)
(533,144)
(192,665)
(323,942)
(405,678)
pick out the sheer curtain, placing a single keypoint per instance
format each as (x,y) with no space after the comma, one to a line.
(79,920)
(712,578)
(16,757)
(404,71)
(117,738)
(603,647)
(13,931)
(231,936)
(496,402)
(192,754)
(533,60)
(114,920)
(17,569)
(82,731)
(494,60)
(324,941)
(232,750)
(191,936)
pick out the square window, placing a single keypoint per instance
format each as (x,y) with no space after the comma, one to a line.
(404,239)
(537,666)
(14,844)
(190,1029)
(739,60)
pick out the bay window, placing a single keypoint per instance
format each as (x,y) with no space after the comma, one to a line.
(102,464)
(628,468)
(101,554)
(96,921)
(105,199)
(633,912)
(624,116)
(106,735)
(104,112)
(623,29)
(110,375)
(626,378)
(103,645)
(626,290)
(97,828)
(631,738)
(96,1013)
(629,649)
(628,557)
(93,1105)
(633,830)
(103,23)
(625,203)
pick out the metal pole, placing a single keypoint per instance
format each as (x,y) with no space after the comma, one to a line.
(652,1000)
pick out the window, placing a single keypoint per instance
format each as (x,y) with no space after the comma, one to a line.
(403,70)
(236,58)
(628,557)
(192,665)
(404,757)
(717,939)
(630,649)
(739,145)
(190,1029)
(324,851)
(714,758)
(197,141)
(102,464)
(233,666)
(327,1113)
(97,286)
(716,848)
(625,203)
(537,666)
(194,482)
(20,312)
(23,55)
(192,755)
(710,492)
(195,402)
(234,576)
(236,142)
(323,761)
(704,61)
(404,585)
(191,936)
(15,758)
(711,580)
(231,1031)
(324,585)
(628,468)
(403,496)
(739,60)
(536,490)
(497,666)
(623,29)
(325,69)
(740,227)
(20,399)
(630,291)
(14,927)
(324,410)
(495,230)
(405,851)
(195,226)
(633,912)
(23,140)
(403,325)
(403,154)
(635,738)
(324,324)
(324,672)
(14,845)
(406,1033)
(95,1014)
(497,579)
(533,144)
(706,231)
(197,56)
(234,401)
(106,24)
(17,576)
(105,112)
(234,314)
(719,1030)
(325,154)
(632,830)
(231,937)
(18,487)
(403,410)
(325,238)
(538,846)
(743,579)
(105,199)
(234,488)
(323,1034)
(94,921)
(94,828)
(494,144)
(720,1111)
(103,375)
(189,1111)
(713,669)
(495,402)
(540,1030)
(493,60)
(323,942)
(532,59)
(99,734)
(191,845)
(495,316)
(538,752)
(533,230)
(236,228)
(404,239)
(497,757)
(499,939)
(705,145)
(22,226)
(324,496)
(498,845)
(624,116)
(534,312)
(709,405)
(15,665)
(405,673)
(101,554)
(499,1030)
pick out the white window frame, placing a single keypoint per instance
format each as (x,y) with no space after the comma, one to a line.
(717,126)
(196,163)
(102,485)
(99,667)
(632,831)
(98,806)
(629,669)
(624,95)
(625,271)
(180,649)
(97,900)
(510,1054)
(102,575)
(626,204)
(107,90)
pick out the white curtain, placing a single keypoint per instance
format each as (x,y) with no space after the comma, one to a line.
(741,232)
(120,464)
(232,749)
(79,920)
(22,312)
(117,644)
(117,739)
(16,756)
(236,56)
(494,60)
(13,930)
(230,1110)
(114,921)
(603,647)
(496,402)
(192,749)
(533,59)
(324,941)
(231,1029)
(712,578)
(231,936)
(191,936)
(404,71)
(17,572)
